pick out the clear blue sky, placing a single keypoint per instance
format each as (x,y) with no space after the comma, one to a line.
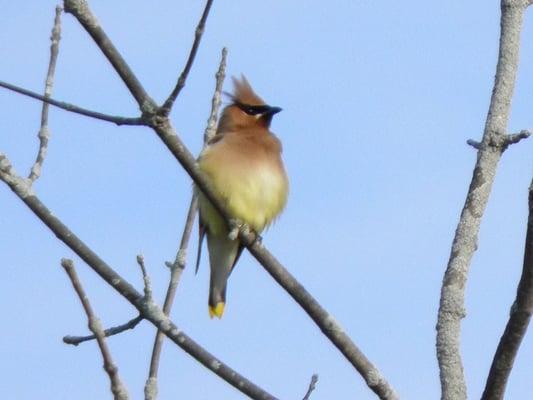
(378,102)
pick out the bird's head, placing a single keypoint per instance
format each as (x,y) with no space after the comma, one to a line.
(246,110)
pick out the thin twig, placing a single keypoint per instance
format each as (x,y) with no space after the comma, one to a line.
(117,387)
(474,143)
(312,385)
(452,301)
(74,109)
(131,324)
(150,389)
(44,131)
(505,141)
(146,278)
(211,128)
(148,310)
(176,269)
(167,134)
(169,102)
(517,137)
(519,317)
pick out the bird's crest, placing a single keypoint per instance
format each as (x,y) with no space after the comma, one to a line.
(243,92)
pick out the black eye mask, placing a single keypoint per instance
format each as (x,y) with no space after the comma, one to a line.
(254,110)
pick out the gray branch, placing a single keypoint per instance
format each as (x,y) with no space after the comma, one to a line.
(117,387)
(494,142)
(131,324)
(167,106)
(146,279)
(516,328)
(312,385)
(44,131)
(506,142)
(73,108)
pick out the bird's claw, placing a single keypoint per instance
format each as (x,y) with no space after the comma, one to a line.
(258,239)
(235,227)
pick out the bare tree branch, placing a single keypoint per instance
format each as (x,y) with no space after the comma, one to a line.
(150,389)
(452,308)
(44,132)
(516,328)
(176,269)
(72,108)
(117,387)
(131,324)
(148,309)
(211,127)
(507,140)
(146,278)
(517,137)
(167,106)
(312,385)
(162,126)
(474,143)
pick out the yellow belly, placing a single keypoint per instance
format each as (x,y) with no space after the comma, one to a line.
(255,196)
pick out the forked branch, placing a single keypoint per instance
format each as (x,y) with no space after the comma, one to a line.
(493,144)
(147,309)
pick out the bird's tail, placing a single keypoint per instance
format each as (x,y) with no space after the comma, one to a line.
(222,255)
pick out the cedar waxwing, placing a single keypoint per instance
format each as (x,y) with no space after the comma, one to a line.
(243,163)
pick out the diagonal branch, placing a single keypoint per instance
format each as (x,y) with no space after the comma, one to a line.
(452,308)
(131,324)
(167,106)
(148,309)
(516,328)
(312,385)
(117,387)
(178,266)
(72,108)
(44,132)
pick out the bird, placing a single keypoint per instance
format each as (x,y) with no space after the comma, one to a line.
(243,164)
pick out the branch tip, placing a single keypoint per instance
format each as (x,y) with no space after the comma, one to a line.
(44,132)
(312,385)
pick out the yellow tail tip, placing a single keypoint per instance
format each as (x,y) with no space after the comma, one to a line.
(216,311)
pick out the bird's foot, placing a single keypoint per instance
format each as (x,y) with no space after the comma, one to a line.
(258,239)
(235,227)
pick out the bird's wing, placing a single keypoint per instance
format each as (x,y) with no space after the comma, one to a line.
(239,252)
(201,235)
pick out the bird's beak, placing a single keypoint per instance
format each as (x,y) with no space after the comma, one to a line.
(272,110)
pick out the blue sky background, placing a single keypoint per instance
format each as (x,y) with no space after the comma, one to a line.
(378,102)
